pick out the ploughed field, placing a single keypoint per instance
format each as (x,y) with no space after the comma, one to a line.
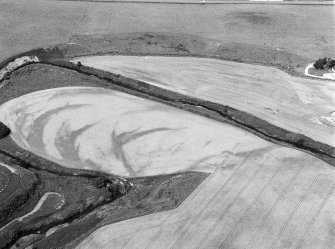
(258,194)
(296,104)
(272,197)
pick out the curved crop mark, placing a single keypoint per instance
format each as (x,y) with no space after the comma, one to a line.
(118,140)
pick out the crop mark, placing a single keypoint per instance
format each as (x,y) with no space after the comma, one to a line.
(255,200)
(256,233)
(228,207)
(210,201)
(293,212)
(129,239)
(212,176)
(315,216)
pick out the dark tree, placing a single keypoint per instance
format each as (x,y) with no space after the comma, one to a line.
(331,63)
(320,63)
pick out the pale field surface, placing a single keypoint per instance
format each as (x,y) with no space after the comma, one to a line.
(101,129)
(296,104)
(258,195)
(274,197)
(27,24)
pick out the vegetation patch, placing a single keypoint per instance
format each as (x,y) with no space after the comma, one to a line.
(149,195)
(45,199)
(4,130)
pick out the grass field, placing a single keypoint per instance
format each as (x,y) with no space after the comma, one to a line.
(30,24)
(289,102)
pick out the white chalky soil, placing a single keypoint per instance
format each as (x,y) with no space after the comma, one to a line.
(100,129)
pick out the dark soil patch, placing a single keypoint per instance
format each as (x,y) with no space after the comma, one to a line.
(4,130)
(253,17)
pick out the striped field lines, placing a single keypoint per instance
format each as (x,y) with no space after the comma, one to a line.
(278,199)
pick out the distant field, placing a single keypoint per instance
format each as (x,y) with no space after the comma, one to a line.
(307,31)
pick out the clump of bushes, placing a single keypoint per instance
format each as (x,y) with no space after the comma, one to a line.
(324,63)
